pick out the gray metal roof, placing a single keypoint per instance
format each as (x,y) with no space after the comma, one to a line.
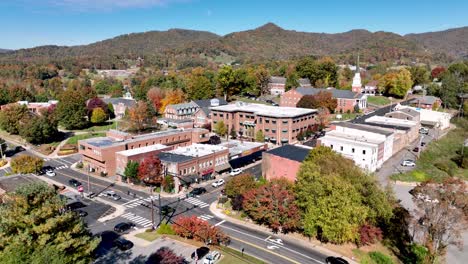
(336,93)
(290,152)
(184,106)
(427,99)
(277,79)
(124,101)
(304,82)
(365,128)
(173,158)
(207,102)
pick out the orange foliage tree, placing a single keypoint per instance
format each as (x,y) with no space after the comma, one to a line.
(175,96)
(193,228)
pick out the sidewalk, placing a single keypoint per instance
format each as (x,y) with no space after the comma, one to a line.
(294,240)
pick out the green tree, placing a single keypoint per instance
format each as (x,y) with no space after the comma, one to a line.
(396,83)
(34,229)
(12,116)
(233,133)
(259,136)
(199,86)
(3,147)
(131,170)
(220,128)
(41,128)
(110,108)
(239,185)
(26,164)
(98,116)
(263,78)
(225,81)
(71,109)
(419,75)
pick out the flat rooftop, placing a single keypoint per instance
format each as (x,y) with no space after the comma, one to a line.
(357,140)
(173,158)
(291,152)
(197,150)
(264,110)
(381,131)
(237,147)
(391,121)
(146,149)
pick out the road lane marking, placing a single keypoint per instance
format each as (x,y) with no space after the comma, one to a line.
(220,223)
(269,251)
(291,250)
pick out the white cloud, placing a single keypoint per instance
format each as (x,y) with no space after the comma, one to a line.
(108,4)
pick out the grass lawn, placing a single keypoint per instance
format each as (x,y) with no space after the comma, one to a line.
(74,139)
(436,161)
(148,236)
(232,256)
(103,127)
(248,100)
(378,100)
(344,116)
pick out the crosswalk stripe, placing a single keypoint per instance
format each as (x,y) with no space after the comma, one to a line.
(203,206)
(129,202)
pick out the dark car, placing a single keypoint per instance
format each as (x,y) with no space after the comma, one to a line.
(123,244)
(74,183)
(81,213)
(423,144)
(416,149)
(75,205)
(200,252)
(167,210)
(197,191)
(335,260)
(123,227)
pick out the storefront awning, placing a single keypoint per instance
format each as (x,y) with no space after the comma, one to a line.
(223,167)
(284,140)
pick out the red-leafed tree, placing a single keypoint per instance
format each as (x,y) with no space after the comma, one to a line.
(437,71)
(193,228)
(165,255)
(369,234)
(155,96)
(274,205)
(149,170)
(321,99)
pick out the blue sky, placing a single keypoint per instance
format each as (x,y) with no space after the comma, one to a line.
(29,23)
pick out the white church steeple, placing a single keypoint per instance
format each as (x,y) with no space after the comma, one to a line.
(357,85)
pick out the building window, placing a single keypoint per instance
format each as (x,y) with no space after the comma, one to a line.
(267,129)
(273,121)
(215,114)
(352,150)
(341,148)
(221,115)
(267,121)
(241,115)
(331,146)
(284,131)
(260,120)
(285,121)
(273,130)
(364,152)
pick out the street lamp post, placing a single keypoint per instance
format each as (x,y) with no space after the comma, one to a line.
(89,185)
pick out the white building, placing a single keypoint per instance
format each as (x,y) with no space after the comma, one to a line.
(428,117)
(366,152)
(369,132)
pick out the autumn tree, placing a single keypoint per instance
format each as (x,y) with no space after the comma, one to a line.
(220,128)
(35,229)
(96,103)
(40,128)
(139,116)
(165,255)
(225,80)
(155,96)
(175,96)
(239,185)
(323,117)
(193,228)
(321,99)
(150,171)
(262,78)
(441,215)
(437,72)
(396,83)
(321,73)
(12,116)
(26,164)
(274,205)
(98,116)
(419,75)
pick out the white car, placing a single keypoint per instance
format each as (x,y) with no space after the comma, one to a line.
(218,183)
(408,163)
(235,172)
(212,257)
(112,195)
(50,173)
(424,131)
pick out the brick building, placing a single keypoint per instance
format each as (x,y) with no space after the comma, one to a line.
(277,85)
(283,162)
(198,111)
(138,155)
(100,153)
(280,125)
(346,100)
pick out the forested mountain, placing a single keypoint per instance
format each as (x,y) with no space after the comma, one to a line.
(453,42)
(4,50)
(184,48)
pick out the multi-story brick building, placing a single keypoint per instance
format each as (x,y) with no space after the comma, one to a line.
(100,153)
(346,100)
(138,155)
(277,85)
(197,111)
(280,125)
(283,162)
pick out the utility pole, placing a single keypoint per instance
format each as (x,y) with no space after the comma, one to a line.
(152,207)
(159,208)
(87,173)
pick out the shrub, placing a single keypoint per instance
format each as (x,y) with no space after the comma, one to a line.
(3,162)
(165,229)
(380,258)
(26,164)
(369,234)
(418,254)
(79,165)
(193,228)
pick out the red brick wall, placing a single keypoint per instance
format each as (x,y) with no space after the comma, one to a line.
(274,167)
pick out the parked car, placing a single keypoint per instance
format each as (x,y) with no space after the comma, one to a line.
(408,163)
(112,195)
(199,253)
(424,131)
(50,173)
(335,260)
(74,183)
(423,144)
(197,191)
(274,104)
(75,205)
(81,213)
(212,257)
(235,172)
(123,227)
(167,210)
(218,183)
(416,149)
(123,244)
